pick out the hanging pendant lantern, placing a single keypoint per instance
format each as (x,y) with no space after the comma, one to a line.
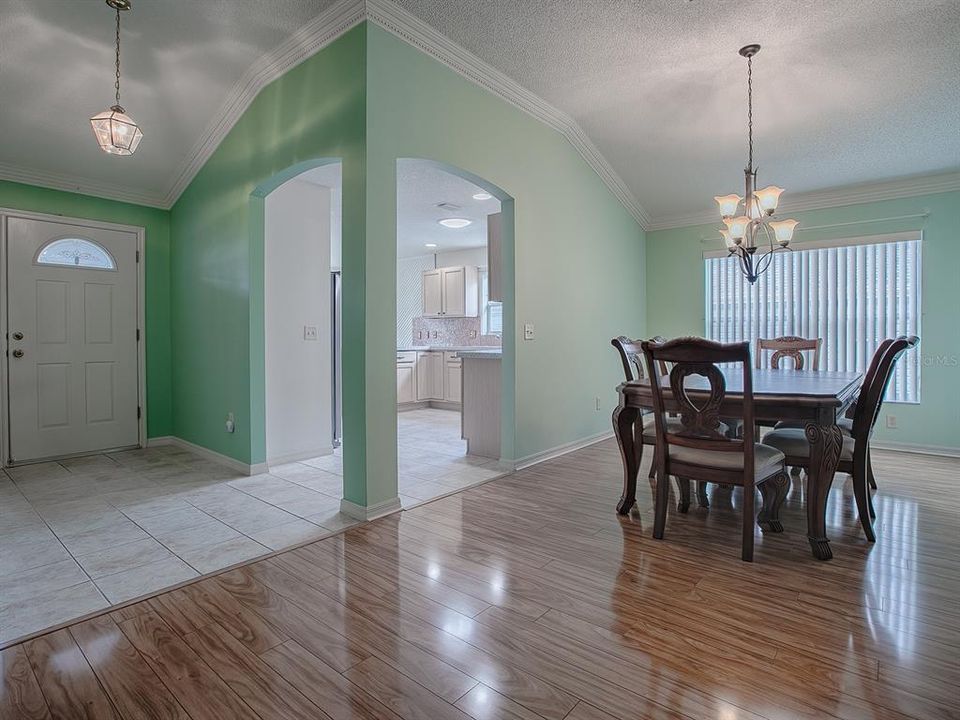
(116,132)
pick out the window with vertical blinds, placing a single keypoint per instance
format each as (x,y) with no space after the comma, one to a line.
(852,295)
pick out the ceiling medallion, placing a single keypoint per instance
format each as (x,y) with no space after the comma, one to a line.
(116,132)
(743,231)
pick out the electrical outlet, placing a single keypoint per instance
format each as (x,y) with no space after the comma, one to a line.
(230,424)
(892,422)
(309,332)
(528,331)
(598,403)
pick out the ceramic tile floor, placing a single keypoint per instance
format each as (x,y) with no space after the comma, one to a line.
(83,534)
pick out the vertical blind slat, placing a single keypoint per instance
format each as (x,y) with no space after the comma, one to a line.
(853,297)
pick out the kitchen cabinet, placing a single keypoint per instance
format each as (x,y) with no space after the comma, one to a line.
(452,377)
(451,292)
(429,375)
(406,377)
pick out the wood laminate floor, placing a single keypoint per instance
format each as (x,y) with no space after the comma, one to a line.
(528,598)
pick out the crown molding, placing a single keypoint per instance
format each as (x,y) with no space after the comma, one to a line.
(303,44)
(910,186)
(425,38)
(71,183)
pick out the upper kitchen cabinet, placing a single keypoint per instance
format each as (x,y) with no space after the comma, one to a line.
(451,292)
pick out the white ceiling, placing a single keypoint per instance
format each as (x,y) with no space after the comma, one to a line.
(845,91)
(179,61)
(421,186)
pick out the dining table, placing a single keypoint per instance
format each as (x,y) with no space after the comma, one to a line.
(814,398)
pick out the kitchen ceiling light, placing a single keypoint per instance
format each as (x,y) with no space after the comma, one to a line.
(430,245)
(455,223)
(482,196)
(116,132)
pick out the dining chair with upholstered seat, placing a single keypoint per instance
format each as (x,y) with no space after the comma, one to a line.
(855,452)
(788,346)
(631,357)
(697,448)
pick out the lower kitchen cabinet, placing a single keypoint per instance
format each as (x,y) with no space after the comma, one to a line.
(406,377)
(430,375)
(452,377)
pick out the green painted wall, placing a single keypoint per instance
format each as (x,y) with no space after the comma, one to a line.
(314,111)
(369,99)
(579,255)
(157,224)
(676,302)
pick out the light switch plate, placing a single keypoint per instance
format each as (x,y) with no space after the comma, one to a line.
(528,332)
(309,332)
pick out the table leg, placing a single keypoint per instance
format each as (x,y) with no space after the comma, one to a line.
(826,443)
(624,419)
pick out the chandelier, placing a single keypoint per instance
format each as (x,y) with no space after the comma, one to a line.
(745,232)
(116,132)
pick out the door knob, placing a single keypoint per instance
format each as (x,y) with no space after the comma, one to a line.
(18,353)
(18,336)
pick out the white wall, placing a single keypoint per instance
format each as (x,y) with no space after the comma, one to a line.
(297,251)
(473,256)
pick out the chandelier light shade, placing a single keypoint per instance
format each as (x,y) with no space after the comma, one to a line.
(746,231)
(116,132)
(728,205)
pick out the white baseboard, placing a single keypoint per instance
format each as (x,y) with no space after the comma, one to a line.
(298,456)
(370,512)
(559,450)
(240,467)
(918,449)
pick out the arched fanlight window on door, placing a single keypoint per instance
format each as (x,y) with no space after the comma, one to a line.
(76,252)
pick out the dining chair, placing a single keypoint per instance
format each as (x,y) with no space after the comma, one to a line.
(855,452)
(698,448)
(788,346)
(631,357)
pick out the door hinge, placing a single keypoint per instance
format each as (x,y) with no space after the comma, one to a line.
(139,411)
(138,334)
(138,256)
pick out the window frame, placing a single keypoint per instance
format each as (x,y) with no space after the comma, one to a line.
(53,241)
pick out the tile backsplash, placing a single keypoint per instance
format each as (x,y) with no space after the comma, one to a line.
(455,332)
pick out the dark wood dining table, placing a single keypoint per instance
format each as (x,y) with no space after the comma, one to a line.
(816,398)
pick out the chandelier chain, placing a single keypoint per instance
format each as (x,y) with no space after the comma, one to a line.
(749,106)
(117,83)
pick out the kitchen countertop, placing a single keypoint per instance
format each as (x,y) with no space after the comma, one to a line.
(493,353)
(451,348)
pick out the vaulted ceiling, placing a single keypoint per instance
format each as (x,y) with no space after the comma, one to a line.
(845,92)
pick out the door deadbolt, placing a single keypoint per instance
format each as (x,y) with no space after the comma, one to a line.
(18,336)
(18,353)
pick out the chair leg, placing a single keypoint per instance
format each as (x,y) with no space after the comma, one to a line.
(746,553)
(683,492)
(774,492)
(653,464)
(661,498)
(870,477)
(861,493)
(702,499)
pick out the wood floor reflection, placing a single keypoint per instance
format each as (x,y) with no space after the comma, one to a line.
(527,598)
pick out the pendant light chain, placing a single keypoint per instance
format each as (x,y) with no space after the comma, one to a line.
(117,85)
(749,105)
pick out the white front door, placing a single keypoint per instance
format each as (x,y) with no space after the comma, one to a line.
(72,360)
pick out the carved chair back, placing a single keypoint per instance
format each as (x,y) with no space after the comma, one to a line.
(788,346)
(631,356)
(873,390)
(698,404)
(869,376)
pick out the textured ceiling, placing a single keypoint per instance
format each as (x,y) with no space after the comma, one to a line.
(420,187)
(180,60)
(845,91)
